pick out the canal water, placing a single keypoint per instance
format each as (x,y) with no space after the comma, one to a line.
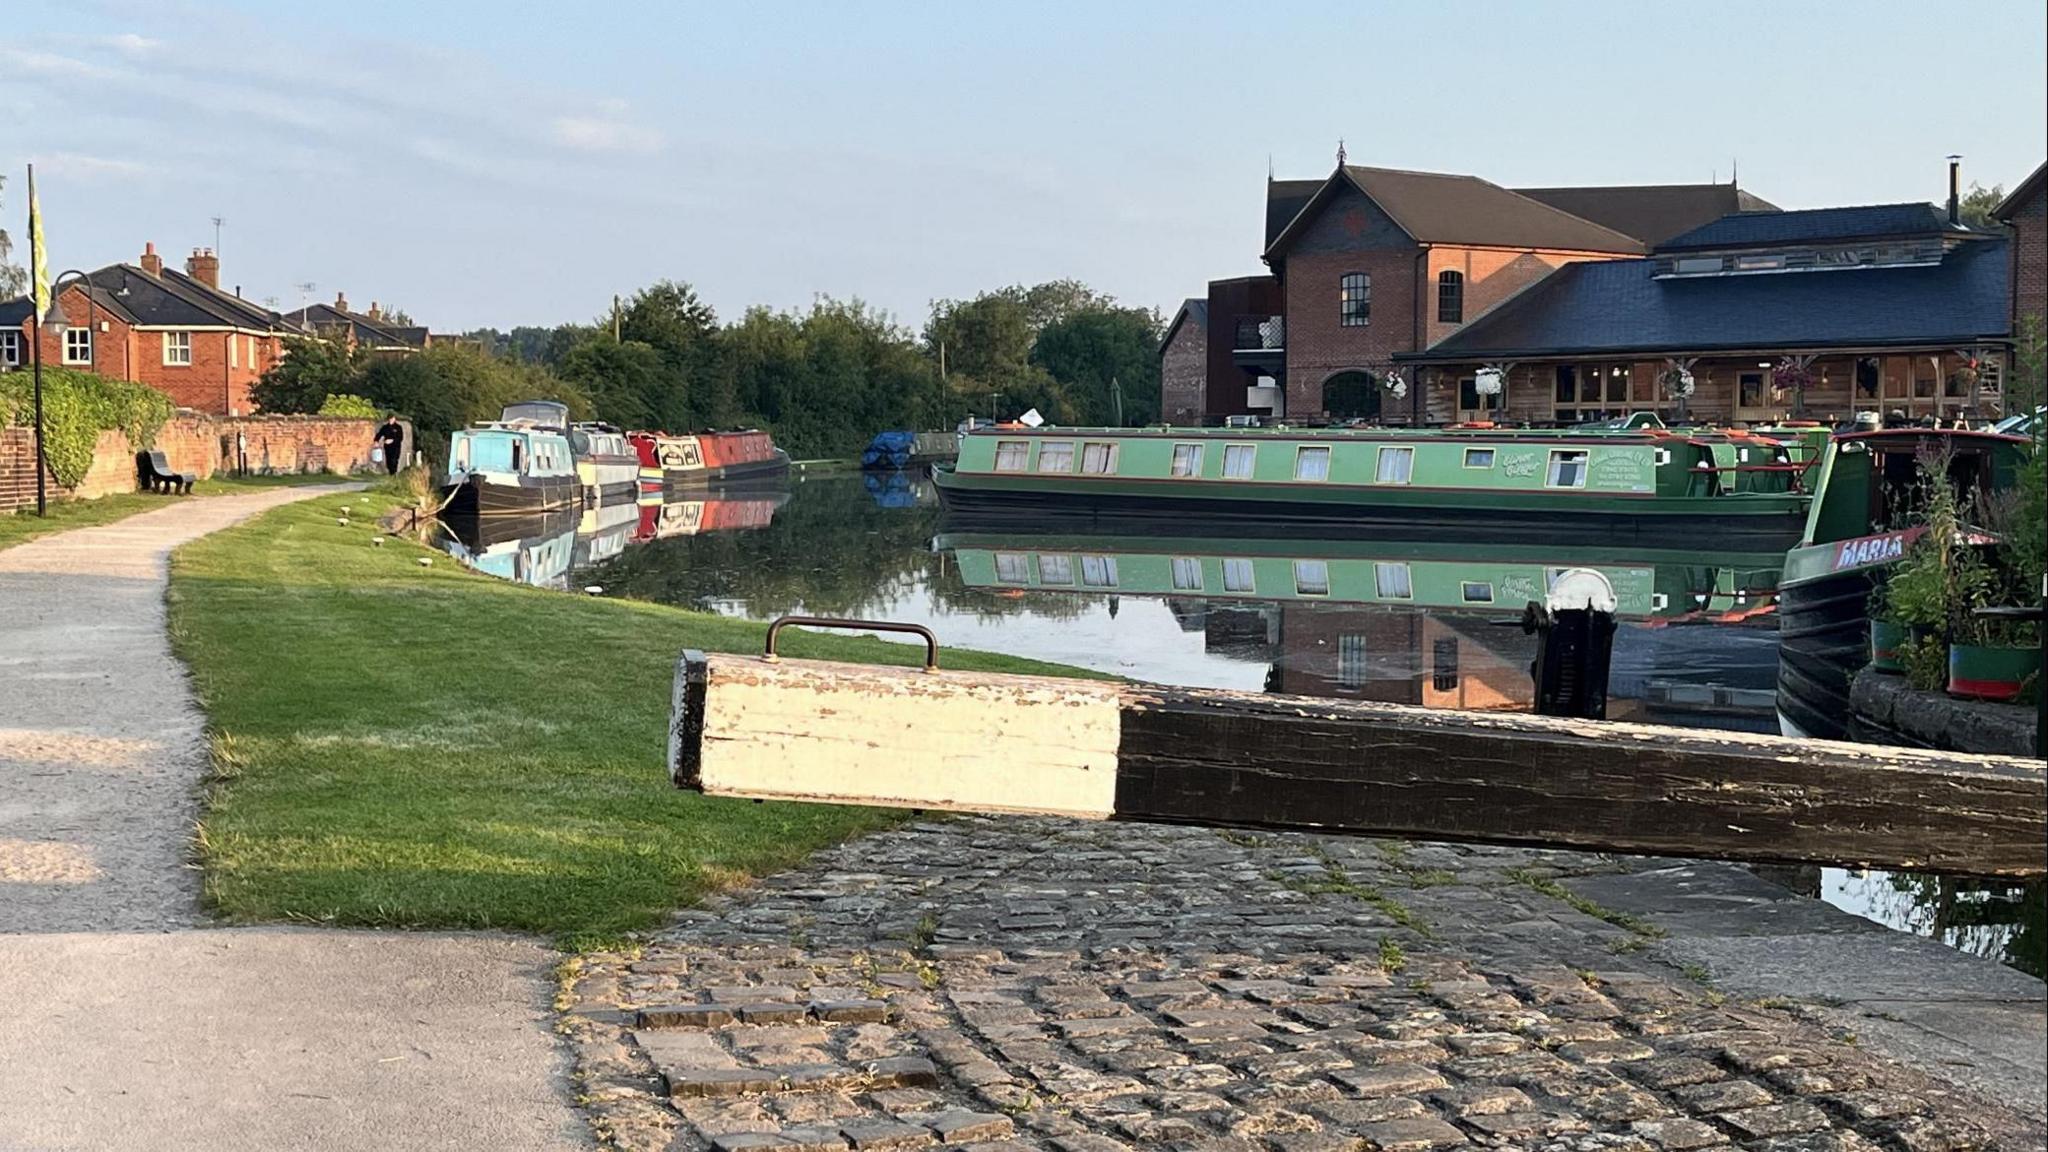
(1417,623)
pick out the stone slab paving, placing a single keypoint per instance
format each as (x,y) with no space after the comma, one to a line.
(1043,984)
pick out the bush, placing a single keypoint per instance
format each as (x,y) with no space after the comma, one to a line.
(349,404)
(77,407)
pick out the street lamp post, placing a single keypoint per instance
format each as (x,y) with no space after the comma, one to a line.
(56,322)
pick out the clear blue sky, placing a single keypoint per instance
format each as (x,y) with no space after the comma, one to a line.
(517,163)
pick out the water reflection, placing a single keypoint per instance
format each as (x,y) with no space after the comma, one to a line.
(1405,622)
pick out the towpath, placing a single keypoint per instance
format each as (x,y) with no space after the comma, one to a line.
(128,1022)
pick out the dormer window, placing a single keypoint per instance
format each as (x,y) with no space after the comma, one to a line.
(1760,262)
(1696,265)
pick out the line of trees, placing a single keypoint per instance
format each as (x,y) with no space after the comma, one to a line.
(823,379)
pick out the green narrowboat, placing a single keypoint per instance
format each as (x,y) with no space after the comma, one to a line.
(1625,482)
(1858,527)
(1665,585)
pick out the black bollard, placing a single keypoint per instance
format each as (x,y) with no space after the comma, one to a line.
(1575,641)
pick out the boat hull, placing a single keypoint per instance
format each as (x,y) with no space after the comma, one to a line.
(478,495)
(1823,638)
(683,478)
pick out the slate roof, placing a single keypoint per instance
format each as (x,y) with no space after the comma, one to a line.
(1603,307)
(2010,206)
(173,300)
(1193,310)
(1652,213)
(364,330)
(1284,201)
(1443,208)
(1812,225)
(15,312)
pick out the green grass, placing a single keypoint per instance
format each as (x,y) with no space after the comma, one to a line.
(1551,888)
(408,746)
(64,515)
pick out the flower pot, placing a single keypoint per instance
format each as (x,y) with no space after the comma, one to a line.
(1990,673)
(1885,638)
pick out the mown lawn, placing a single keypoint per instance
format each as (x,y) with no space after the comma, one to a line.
(408,746)
(68,514)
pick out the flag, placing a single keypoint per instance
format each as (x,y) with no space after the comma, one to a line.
(38,258)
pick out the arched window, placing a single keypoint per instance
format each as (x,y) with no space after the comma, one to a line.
(1356,291)
(1351,396)
(1450,297)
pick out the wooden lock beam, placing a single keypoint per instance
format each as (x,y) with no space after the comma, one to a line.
(982,742)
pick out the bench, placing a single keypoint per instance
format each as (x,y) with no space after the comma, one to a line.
(153,474)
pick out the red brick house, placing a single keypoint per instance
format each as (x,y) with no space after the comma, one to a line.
(177,332)
(373,331)
(2026,213)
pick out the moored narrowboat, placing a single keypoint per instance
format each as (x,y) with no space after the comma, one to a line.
(707,513)
(606,465)
(1630,481)
(1857,528)
(667,461)
(513,466)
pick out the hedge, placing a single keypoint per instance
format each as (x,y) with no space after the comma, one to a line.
(77,407)
(349,404)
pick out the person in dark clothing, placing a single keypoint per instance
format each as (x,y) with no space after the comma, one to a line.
(391,437)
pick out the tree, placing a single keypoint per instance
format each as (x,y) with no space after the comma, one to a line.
(312,370)
(13,278)
(399,316)
(1976,205)
(619,378)
(1100,353)
(452,386)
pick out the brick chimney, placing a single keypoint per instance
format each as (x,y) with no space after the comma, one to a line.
(376,313)
(340,302)
(151,262)
(204,267)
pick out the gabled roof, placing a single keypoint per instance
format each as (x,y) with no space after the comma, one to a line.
(1652,213)
(1811,225)
(1439,208)
(1284,201)
(2031,186)
(1193,310)
(1615,307)
(14,313)
(172,300)
(363,330)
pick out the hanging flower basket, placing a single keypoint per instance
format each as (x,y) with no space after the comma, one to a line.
(1677,381)
(1487,381)
(1394,383)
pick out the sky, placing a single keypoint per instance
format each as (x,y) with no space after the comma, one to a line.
(497,162)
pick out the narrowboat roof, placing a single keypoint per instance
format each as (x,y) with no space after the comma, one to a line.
(1884,434)
(1575,433)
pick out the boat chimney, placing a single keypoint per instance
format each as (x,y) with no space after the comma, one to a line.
(1955,191)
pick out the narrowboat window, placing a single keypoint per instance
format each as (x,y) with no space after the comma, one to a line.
(1056,456)
(1476,592)
(1478,457)
(1011,454)
(1098,571)
(1392,582)
(1567,468)
(462,454)
(1013,568)
(1311,578)
(1351,662)
(1187,460)
(1396,465)
(1098,459)
(1312,464)
(1237,461)
(1055,569)
(515,455)
(1187,574)
(1237,575)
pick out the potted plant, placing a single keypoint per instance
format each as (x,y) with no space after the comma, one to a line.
(1887,632)
(1913,625)
(1996,658)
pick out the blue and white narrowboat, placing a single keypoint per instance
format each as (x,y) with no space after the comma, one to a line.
(516,465)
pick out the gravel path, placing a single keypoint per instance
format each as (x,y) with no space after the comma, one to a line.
(127,1023)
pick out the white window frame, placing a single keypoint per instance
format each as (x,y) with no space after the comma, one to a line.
(1055,449)
(1249,454)
(1560,457)
(1402,452)
(1489,458)
(1193,468)
(71,356)
(1303,455)
(1012,456)
(1098,571)
(1483,595)
(1056,568)
(177,349)
(1013,568)
(234,352)
(10,347)
(1386,573)
(1311,577)
(1240,576)
(1187,574)
(1099,451)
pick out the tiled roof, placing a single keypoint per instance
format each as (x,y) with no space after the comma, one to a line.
(1193,310)
(1652,213)
(1440,208)
(1810,225)
(1284,201)
(2010,206)
(364,330)
(1602,307)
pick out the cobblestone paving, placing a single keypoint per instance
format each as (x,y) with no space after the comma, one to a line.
(1041,984)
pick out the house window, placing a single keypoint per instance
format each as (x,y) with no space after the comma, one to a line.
(1056,456)
(1590,391)
(1312,464)
(1450,297)
(10,347)
(177,348)
(1187,574)
(1098,459)
(78,345)
(1567,468)
(1098,571)
(1187,460)
(1055,569)
(1396,465)
(1237,461)
(1476,592)
(1011,455)
(1351,662)
(1237,575)
(1696,265)
(1356,293)
(234,352)
(1013,568)
(1760,262)
(1867,373)
(1311,577)
(1444,658)
(1749,390)
(1392,581)
(1478,457)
